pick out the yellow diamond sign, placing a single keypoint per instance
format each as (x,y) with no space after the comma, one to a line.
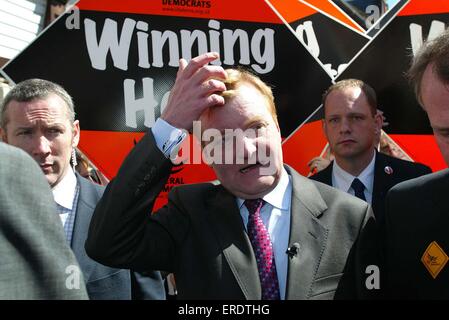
(434,258)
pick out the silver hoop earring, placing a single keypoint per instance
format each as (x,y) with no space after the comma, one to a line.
(74,162)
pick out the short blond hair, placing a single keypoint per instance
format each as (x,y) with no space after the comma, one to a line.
(238,77)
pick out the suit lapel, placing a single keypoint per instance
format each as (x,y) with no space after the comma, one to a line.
(84,211)
(308,232)
(382,183)
(237,250)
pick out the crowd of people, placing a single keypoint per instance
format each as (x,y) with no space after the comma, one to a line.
(366,226)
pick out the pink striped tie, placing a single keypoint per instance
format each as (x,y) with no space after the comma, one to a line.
(263,250)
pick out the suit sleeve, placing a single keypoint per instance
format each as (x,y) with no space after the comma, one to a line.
(123,233)
(147,286)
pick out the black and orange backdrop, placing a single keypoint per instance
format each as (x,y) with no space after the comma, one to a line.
(118,59)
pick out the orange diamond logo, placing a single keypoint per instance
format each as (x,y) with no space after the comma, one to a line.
(434,259)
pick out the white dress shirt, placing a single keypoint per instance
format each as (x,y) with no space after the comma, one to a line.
(167,137)
(65,194)
(342,180)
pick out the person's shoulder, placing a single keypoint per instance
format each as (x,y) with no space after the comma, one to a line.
(401,164)
(323,175)
(91,187)
(424,183)
(5,148)
(200,189)
(342,211)
(417,199)
(334,198)
(14,160)
(196,194)
(12,154)
(330,193)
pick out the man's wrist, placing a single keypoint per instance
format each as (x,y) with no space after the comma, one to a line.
(168,138)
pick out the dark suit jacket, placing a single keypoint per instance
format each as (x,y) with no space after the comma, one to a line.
(417,214)
(402,170)
(200,235)
(34,254)
(103,282)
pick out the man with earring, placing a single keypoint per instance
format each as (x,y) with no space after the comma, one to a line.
(38,116)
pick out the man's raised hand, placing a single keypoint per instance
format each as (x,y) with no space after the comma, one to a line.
(195,89)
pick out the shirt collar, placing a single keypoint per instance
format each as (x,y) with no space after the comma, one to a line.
(279,197)
(64,191)
(344,179)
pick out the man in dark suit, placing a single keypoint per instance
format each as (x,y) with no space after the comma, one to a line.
(417,220)
(262,232)
(352,127)
(34,255)
(38,116)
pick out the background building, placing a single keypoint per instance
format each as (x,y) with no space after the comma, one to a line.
(21,21)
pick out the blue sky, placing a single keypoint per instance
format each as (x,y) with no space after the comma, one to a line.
(391,3)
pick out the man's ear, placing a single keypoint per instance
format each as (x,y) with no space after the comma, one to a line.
(76,133)
(324,127)
(378,122)
(3,136)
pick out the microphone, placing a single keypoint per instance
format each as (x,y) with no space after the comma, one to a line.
(293,250)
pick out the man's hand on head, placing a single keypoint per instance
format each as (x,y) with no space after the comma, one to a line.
(195,89)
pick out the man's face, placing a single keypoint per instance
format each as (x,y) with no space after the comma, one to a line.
(349,125)
(255,165)
(435,99)
(42,129)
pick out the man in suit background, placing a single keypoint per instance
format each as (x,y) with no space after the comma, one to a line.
(417,216)
(352,127)
(36,262)
(38,116)
(262,232)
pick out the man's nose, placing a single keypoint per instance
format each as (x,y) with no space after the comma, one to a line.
(249,148)
(42,146)
(345,126)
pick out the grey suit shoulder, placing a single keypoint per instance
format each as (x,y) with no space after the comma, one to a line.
(34,253)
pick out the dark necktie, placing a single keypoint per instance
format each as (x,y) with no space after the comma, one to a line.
(263,250)
(359,189)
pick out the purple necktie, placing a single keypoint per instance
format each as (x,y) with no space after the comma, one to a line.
(263,250)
